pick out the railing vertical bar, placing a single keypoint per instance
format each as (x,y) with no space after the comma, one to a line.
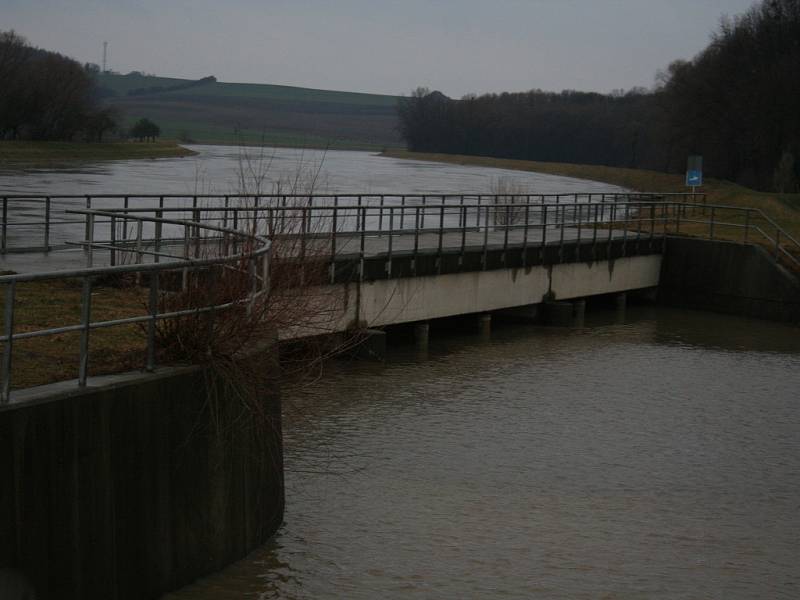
(525,234)
(746,225)
(151,324)
(90,240)
(391,240)
(86,320)
(8,347)
(363,240)
(47,224)
(334,223)
(4,241)
(416,240)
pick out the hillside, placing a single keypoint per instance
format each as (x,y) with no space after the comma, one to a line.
(214,112)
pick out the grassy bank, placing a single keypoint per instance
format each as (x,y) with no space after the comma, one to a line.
(43,153)
(785,208)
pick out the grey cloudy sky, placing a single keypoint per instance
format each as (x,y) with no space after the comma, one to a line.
(385,46)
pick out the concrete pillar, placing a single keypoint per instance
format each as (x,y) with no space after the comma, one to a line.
(621,302)
(485,324)
(579,313)
(422,335)
(371,346)
(559,314)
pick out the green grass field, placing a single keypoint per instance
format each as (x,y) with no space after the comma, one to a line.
(234,113)
(37,153)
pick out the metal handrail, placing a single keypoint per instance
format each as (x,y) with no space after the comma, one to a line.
(255,248)
(50,218)
(356,232)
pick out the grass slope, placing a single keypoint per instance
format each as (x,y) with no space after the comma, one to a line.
(252,113)
(35,153)
(782,208)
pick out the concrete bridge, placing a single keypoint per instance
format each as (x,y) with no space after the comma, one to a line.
(379,261)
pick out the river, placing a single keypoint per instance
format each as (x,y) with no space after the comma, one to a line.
(650,454)
(217,170)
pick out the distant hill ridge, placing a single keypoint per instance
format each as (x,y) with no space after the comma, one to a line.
(209,111)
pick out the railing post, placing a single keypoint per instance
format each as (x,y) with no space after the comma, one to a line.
(159,224)
(334,220)
(505,234)
(150,364)
(90,240)
(711,223)
(416,240)
(746,225)
(525,234)
(391,239)
(47,224)
(441,234)
(462,217)
(4,240)
(113,241)
(544,229)
(8,348)
(363,241)
(88,207)
(485,258)
(86,320)
(139,234)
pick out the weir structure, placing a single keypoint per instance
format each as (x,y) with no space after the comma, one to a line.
(370,262)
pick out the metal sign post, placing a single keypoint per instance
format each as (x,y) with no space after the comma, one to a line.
(694,175)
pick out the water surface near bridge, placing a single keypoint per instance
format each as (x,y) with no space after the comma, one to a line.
(649,455)
(215,170)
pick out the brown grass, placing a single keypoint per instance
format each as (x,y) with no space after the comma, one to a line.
(43,305)
(784,208)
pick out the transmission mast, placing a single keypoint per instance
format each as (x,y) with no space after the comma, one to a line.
(105,56)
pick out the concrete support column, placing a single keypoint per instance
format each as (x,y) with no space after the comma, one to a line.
(422,335)
(485,324)
(371,346)
(621,301)
(579,312)
(559,314)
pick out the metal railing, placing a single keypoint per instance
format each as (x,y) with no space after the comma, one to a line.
(238,251)
(153,241)
(45,222)
(361,230)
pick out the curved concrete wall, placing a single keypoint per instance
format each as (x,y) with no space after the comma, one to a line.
(125,490)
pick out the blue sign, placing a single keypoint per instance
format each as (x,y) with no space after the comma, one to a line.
(694,178)
(694,171)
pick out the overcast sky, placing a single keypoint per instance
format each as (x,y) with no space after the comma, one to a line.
(384,46)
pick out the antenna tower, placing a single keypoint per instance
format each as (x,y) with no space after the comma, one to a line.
(105,56)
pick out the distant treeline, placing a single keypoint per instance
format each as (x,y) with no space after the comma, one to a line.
(157,89)
(737,103)
(47,96)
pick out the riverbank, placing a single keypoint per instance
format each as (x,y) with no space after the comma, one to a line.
(785,208)
(47,153)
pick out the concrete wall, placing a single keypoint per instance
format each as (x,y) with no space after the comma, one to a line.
(125,490)
(730,278)
(394,301)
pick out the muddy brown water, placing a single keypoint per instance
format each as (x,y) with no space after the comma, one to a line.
(650,454)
